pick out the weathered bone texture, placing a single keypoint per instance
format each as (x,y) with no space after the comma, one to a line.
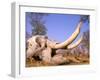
(35,44)
(46,55)
(43,47)
(58,59)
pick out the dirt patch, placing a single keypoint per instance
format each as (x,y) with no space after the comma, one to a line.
(70,60)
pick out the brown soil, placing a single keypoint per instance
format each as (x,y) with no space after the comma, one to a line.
(70,60)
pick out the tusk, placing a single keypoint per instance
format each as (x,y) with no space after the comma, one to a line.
(75,44)
(69,40)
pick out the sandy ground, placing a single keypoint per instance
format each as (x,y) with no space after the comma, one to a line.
(70,60)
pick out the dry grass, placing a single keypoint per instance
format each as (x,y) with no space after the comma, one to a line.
(70,60)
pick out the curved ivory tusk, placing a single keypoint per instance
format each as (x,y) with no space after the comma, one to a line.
(70,39)
(75,44)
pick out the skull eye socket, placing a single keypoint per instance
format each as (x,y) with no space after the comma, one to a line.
(30,44)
